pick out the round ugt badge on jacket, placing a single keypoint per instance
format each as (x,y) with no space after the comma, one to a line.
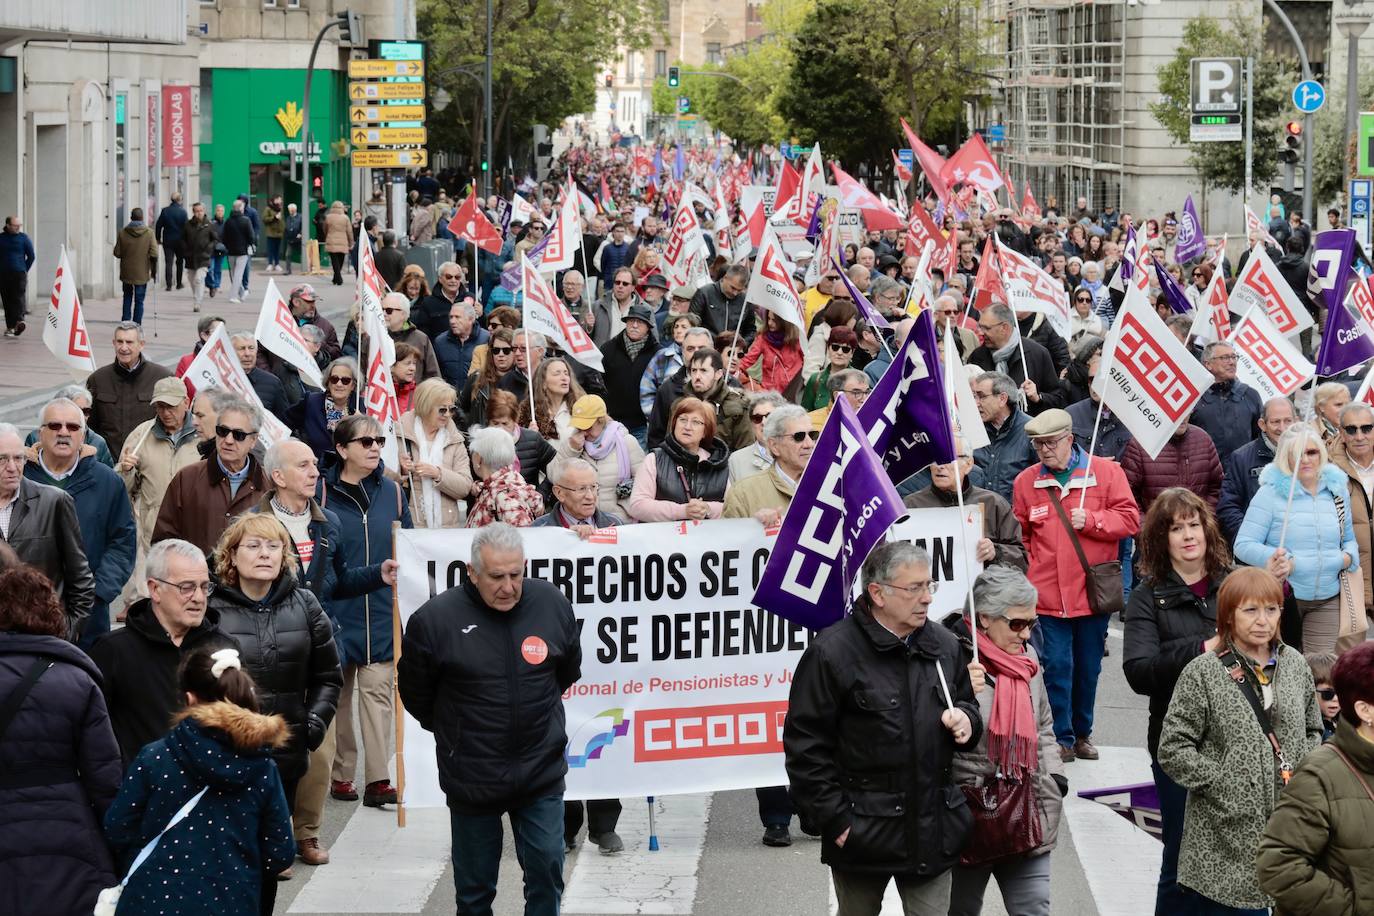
(534,650)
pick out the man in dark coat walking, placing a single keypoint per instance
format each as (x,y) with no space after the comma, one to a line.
(171,235)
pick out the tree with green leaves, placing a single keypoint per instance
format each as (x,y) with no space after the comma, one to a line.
(1223,164)
(1331,148)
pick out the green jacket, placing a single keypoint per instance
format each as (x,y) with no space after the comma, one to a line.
(816,393)
(1316,857)
(273,226)
(1212,745)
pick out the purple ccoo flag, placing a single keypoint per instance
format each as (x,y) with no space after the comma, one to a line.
(843,506)
(1191,241)
(1345,340)
(866,309)
(907,414)
(1173,293)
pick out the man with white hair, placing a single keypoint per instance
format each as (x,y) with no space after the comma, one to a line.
(94,443)
(529,350)
(431,313)
(266,385)
(396,311)
(40,523)
(123,389)
(460,648)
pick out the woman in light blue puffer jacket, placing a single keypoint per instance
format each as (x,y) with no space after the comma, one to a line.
(1317,546)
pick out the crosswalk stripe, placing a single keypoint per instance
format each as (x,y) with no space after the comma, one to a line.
(637,880)
(377,867)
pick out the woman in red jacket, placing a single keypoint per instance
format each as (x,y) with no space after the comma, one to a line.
(779,354)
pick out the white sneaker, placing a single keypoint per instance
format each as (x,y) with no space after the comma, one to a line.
(234,299)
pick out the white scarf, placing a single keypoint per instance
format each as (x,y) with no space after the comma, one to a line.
(431,453)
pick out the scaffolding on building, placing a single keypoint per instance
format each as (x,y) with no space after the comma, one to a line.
(1062,68)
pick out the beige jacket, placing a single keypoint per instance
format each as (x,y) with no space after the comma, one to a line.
(160,456)
(455,477)
(607,474)
(764,490)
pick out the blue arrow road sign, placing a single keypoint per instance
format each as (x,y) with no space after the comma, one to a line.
(1308,96)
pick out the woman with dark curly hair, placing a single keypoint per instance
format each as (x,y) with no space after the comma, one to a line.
(59,763)
(1171,619)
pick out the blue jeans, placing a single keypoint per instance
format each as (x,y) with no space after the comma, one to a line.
(1072,658)
(133,302)
(97,625)
(1170,899)
(775,806)
(1127,564)
(1198,905)
(641,434)
(273,251)
(213,273)
(538,830)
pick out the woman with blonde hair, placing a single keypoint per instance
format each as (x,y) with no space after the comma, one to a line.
(338,238)
(1328,401)
(434,458)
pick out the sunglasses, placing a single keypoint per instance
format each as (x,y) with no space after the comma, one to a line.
(623,283)
(758,417)
(445,411)
(1084,299)
(811,434)
(1350,430)
(842,348)
(224,432)
(341,380)
(391,311)
(369,441)
(57,427)
(1327,693)
(502,351)
(1020,626)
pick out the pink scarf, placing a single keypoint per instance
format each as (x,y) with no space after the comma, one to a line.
(1012,735)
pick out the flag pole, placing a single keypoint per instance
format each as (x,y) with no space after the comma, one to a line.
(1108,348)
(734,344)
(1292,488)
(529,379)
(959,488)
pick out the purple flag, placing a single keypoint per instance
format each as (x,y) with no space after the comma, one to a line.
(843,506)
(813,228)
(510,279)
(658,164)
(866,308)
(1191,241)
(1345,340)
(907,414)
(679,164)
(1138,803)
(504,210)
(1173,293)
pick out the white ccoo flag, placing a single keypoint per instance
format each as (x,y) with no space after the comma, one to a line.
(64,329)
(770,284)
(279,334)
(545,312)
(565,237)
(1266,360)
(218,366)
(1260,284)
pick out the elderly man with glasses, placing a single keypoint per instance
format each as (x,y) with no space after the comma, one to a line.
(1008,350)
(1229,409)
(204,498)
(1354,454)
(1060,501)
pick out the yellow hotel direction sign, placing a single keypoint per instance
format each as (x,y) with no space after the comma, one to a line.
(375,69)
(388,136)
(390,158)
(362,93)
(361,114)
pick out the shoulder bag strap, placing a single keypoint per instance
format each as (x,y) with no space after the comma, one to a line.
(10,708)
(177,818)
(1356,773)
(1233,668)
(1073,535)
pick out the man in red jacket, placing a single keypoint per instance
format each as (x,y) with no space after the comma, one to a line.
(1097,504)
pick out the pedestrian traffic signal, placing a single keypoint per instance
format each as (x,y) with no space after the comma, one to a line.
(484,164)
(674,77)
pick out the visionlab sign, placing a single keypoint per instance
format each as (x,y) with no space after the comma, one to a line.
(176,126)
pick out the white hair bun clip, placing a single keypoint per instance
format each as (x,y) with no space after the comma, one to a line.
(224,660)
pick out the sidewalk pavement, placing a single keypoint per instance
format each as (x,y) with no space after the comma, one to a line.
(31,374)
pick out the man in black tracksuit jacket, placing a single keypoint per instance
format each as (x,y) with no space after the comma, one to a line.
(484,666)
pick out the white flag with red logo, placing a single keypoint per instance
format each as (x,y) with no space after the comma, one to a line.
(521,210)
(770,283)
(899,168)
(812,185)
(1031,289)
(280,334)
(1148,378)
(1029,208)
(684,256)
(788,200)
(1266,360)
(545,312)
(1361,300)
(379,392)
(565,237)
(973,164)
(470,224)
(371,288)
(1260,284)
(1256,230)
(64,329)
(218,366)
(856,197)
(1213,319)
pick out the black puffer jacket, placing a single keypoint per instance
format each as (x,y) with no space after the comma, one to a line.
(866,751)
(287,645)
(682,476)
(1166,625)
(489,684)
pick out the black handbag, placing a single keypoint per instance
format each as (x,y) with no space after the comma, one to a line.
(1106,593)
(1006,819)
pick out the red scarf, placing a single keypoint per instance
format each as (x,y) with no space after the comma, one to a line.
(1013,738)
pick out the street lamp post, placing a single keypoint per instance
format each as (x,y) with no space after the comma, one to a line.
(1308,179)
(1352,26)
(486,121)
(306,219)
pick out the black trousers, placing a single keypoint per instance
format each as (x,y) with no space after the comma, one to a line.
(268,899)
(338,259)
(775,806)
(14,287)
(602,816)
(175,253)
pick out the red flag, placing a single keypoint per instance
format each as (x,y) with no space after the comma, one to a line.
(973,164)
(755,225)
(787,199)
(920,228)
(856,196)
(932,163)
(987,285)
(952,253)
(903,173)
(470,224)
(1029,208)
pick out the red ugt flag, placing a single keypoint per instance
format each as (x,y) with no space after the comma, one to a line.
(470,224)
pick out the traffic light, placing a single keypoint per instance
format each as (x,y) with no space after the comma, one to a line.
(350,28)
(1292,142)
(674,77)
(485,165)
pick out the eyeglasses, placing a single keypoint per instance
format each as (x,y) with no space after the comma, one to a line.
(759,417)
(392,311)
(1326,693)
(341,380)
(842,348)
(224,432)
(989,327)
(255,546)
(690,421)
(1224,359)
(1362,429)
(859,393)
(803,435)
(1019,625)
(1088,299)
(369,441)
(57,427)
(916,591)
(450,276)
(501,351)
(623,283)
(187,590)
(587,490)
(1046,445)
